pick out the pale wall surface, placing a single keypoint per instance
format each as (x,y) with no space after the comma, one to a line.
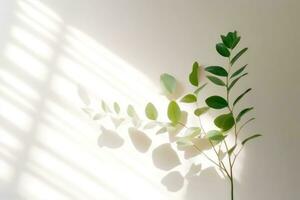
(118,49)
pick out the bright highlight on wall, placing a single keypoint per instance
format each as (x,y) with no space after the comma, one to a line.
(48,147)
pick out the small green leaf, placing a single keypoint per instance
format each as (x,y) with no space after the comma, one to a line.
(215,135)
(189,98)
(216,102)
(162,130)
(151,111)
(237,72)
(216,80)
(104,106)
(231,39)
(225,121)
(248,121)
(236,57)
(235,42)
(242,113)
(241,96)
(192,132)
(222,50)
(131,112)
(168,82)
(196,92)
(217,70)
(250,138)
(116,107)
(236,80)
(193,77)
(227,41)
(98,116)
(187,140)
(174,112)
(201,111)
(231,150)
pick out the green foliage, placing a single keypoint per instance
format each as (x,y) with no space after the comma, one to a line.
(201,111)
(231,39)
(215,135)
(231,150)
(189,98)
(131,111)
(236,57)
(241,96)
(104,106)
(242,113)
(196,92)
(174,112)
(168,82)
(217,70)
(194,75)
(222,50)
(228,123)
(225,121)
(250,138)
(151,111)
(216,102)
(237,72)
(117,107)
(216,80)
(236,80)
(187,140)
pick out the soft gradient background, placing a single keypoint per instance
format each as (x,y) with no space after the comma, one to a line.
(117,50)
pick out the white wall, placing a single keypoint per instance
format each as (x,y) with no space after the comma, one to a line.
(118,49)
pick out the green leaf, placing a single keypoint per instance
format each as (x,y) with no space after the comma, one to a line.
(117,107)
(162,130)
(241,96)
(236,57)
(216,102)
(225,121)
(235,42)
(236,80)
(168,82)
(174,112)
(187,140)
(222,50)
(227,41)
(201,111)
(151,111)
(242,113)
(196,92)
(215,135)
(194,80)
(248,121)
(104,106)
(231,39)
(189,98)
(131,112)
(250,138)
(237,72)
(231,150)
(217,70)
(216,80)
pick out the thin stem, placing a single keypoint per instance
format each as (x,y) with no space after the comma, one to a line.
(182,124)
(235,157)
(232,188)
(220,162)
(208,157)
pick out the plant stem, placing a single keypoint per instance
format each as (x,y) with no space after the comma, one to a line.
(232,188)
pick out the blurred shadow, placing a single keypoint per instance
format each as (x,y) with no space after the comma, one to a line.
(109,139)
(140,140)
